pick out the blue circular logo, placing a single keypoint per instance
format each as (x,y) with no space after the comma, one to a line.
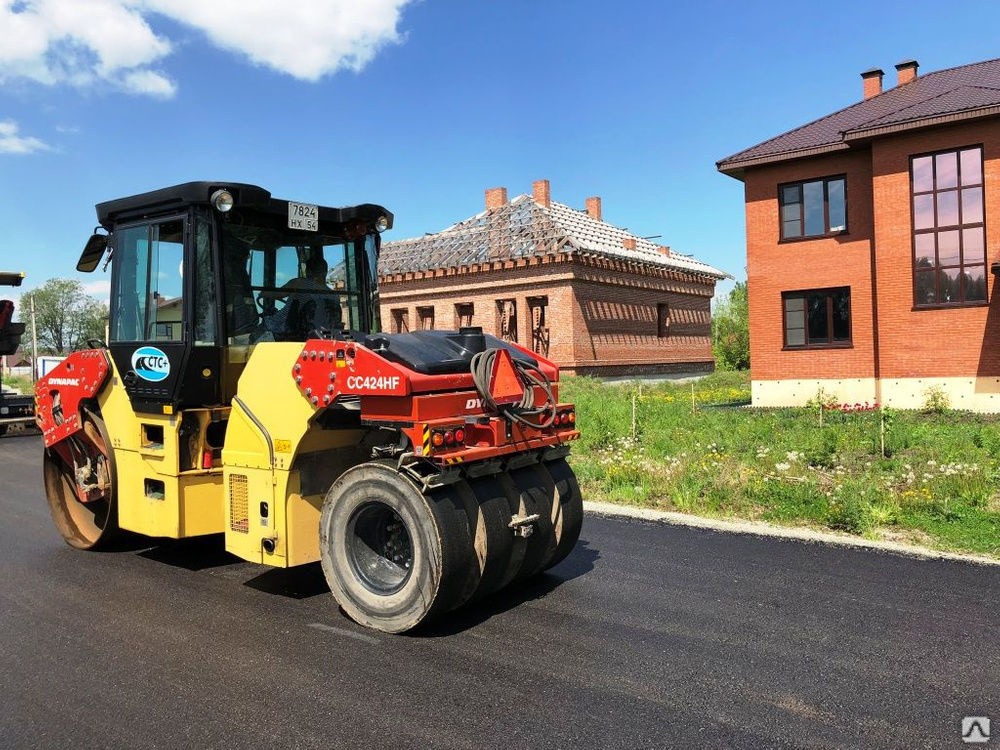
(150,364)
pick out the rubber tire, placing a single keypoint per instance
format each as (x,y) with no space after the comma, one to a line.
(567,513)
(438,531)
(3,429)
(478,537)
(497,539)
(71,521)
(533,484)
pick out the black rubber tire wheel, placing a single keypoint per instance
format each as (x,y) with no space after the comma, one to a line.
(496,538)
(478,538)
(567,513)
(3,429)
(82,525)
(392,556)
(536,495)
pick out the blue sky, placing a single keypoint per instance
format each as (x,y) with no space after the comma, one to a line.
(422,105)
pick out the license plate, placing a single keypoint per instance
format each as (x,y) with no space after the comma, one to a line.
(303,216)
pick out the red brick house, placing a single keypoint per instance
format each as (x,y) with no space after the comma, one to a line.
(595,298)
(872,239)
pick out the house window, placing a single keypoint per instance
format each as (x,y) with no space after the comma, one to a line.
(817,318)
(164,331)
(425,316)
(663,320)
(507,319)
(400,320)
(537,307)
(463,314)
(949,236)
(813,208)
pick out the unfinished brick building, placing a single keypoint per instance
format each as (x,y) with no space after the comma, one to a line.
(593,297)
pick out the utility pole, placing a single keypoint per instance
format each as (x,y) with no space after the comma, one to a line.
(34,342)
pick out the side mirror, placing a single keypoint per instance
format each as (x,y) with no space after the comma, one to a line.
(92,253)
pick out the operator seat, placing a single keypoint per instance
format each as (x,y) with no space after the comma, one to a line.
(241,310)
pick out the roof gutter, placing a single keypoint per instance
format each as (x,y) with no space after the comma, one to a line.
(857,134)
(731,167)
(734,168)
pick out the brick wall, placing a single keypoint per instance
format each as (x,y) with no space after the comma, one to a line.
(932,342)
(912,343)
(602,316)
(774,267)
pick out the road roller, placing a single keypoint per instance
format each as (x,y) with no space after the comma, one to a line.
(15,409)
(247,391)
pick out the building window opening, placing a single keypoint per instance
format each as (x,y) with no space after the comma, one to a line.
(537,307)
(425,316)
(463,314)
(814,208)
(817,319)
(949,234)
(507,319)
(663,320)
(400,320)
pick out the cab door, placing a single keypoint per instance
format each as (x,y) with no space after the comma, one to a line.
(160,338)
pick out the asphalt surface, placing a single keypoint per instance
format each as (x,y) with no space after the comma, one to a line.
(646,636)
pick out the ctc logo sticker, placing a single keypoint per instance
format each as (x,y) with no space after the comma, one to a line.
(150,364)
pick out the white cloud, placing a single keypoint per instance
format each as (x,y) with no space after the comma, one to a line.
(12,142)
(149,82)
(306,39)
(98,288)
(79,42)
(85,42)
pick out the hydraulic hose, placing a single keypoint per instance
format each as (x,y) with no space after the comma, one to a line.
(525,411)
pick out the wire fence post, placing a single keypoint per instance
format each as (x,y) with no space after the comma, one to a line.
(634,426)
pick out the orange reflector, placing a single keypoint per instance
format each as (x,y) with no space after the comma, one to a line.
(437,439)
(505,385)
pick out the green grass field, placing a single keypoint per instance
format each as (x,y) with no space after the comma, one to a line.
(938,484)
(19,383)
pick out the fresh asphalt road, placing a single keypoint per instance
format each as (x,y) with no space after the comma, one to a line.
(647,636)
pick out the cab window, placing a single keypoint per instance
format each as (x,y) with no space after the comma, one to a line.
(149,282)
(286,285)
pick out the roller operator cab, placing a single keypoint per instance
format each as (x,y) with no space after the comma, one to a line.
(246,390)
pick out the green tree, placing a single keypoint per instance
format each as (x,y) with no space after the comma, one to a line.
(65,315)
(731,330)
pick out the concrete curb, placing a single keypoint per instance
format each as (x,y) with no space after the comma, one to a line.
(760,528)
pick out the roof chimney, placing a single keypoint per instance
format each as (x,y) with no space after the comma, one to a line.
(541,192)
(664,249)
(629,243)
(906,71)
(594,207)
(872,80)
(495,198)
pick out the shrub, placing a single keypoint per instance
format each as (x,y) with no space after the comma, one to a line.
(936,400)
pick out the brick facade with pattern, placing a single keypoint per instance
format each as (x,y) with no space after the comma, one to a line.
(601,314)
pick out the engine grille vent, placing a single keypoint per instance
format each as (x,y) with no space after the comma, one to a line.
(239,505)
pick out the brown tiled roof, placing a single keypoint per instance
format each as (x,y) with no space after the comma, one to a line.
(969,90)
(522,229)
